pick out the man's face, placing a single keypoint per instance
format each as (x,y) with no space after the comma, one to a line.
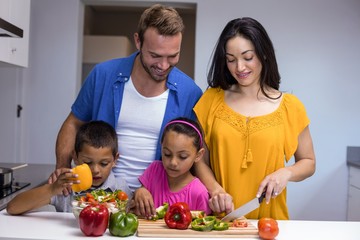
(158,53)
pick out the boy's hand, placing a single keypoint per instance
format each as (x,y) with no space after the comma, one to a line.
(55,175)
(64,180)
(143,204)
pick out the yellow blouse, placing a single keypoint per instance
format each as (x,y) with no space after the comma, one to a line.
(243,150)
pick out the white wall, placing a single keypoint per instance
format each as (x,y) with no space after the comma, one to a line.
(317,45)
(52,77)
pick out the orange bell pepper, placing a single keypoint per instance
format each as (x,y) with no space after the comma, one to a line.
(84,175)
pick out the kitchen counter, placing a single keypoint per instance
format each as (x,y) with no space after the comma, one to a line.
(53,225)
(35,174)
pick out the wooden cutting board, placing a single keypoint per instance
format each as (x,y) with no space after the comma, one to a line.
(159,229)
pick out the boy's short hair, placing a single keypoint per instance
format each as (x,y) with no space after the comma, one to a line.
(96,134)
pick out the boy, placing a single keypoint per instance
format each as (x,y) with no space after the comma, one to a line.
(96,145)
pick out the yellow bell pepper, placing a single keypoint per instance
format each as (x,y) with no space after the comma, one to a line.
(84,175)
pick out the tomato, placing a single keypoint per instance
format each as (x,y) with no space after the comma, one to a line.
(122,196)
(92,201)
(268,228)
(89,195)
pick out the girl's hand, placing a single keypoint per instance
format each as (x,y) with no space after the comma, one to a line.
(143,203)
(274,184)
(64,180)
(221,202)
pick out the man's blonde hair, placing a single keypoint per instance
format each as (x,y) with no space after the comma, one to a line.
(166,20)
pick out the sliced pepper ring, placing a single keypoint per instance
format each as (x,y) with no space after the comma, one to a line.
(221,226)
(203,224)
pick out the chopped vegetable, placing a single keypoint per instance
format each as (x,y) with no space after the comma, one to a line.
(239,223)
(160,212)
(123,224)
(197,214)
(122,196)
(93,220)
(178,216)
(203,224)
(220,226)
(111,199)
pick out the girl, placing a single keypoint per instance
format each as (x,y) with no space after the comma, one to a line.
(171,180)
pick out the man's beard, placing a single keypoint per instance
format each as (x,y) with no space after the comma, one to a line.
(153,76)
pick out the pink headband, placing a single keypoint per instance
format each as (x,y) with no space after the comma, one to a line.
(189,124)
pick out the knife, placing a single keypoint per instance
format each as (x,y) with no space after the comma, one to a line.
(244,209)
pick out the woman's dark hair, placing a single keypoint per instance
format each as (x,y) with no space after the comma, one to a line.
(188,127)
(96,134)
(220,76)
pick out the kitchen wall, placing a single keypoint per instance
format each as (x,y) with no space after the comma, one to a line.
(317,46)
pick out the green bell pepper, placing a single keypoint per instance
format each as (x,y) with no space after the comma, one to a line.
(123,224)
(160,212)
(203,224)
(220,226)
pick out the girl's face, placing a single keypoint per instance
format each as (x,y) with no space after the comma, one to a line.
(100,161)
(178,154)
(242,61)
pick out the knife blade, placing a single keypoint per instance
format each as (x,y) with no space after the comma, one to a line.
(244,209)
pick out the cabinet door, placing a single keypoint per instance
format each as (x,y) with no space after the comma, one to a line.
(15,50)
(354,204)
(10,131)
(19,47)
(4,41)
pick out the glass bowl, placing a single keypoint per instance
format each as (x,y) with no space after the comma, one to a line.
(78,206)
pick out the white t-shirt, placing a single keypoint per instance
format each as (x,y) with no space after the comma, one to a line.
(138,131)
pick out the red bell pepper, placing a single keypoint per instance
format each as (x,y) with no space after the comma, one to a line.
(94,219)
(178,216)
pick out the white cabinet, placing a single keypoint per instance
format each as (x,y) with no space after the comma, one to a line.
(14,50)
(353,213)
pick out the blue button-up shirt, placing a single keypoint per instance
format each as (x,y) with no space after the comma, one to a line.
(101,95)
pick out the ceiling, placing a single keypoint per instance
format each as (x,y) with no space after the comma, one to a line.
(138,7)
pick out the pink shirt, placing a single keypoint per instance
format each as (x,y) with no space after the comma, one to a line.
(195,194)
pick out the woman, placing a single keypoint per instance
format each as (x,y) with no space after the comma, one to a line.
(251,128)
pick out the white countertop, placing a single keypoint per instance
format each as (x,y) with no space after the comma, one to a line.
(52,225)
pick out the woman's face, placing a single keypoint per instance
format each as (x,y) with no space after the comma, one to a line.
(242,61)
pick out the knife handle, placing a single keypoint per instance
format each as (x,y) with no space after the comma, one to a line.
(262,197)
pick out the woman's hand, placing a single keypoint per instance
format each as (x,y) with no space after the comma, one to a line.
(221,202)
(143,203)
(274,183)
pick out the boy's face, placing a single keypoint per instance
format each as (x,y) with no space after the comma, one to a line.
(100,161)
